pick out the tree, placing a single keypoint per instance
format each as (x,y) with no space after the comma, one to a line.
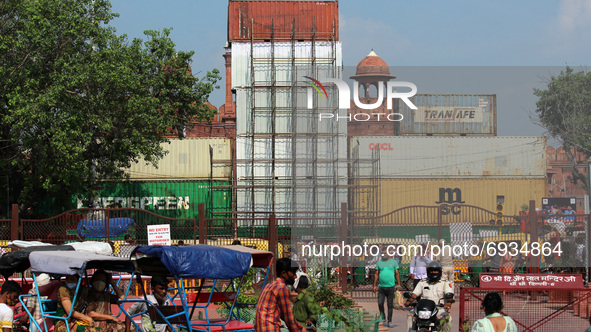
(79,102)
(564,109)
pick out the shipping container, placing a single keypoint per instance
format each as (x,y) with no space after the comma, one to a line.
(484,193)
(174,199)
(327,62)
(264,20)
(187,159)
(474,115)
(459,157)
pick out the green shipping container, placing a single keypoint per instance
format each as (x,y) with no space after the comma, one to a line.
(174,199)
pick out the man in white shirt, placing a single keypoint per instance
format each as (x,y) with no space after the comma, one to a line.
(434,289)
(418,265)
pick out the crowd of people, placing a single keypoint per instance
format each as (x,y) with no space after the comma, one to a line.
(287,302)
(275,310)
(433,279)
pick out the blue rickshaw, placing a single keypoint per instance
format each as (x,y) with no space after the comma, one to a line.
(220,273)
(68,263)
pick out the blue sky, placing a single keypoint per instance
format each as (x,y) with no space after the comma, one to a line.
(547,34)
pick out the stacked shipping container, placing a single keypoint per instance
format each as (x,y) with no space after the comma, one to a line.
(480,171)
(187,159)
(264,20)
(185,177)
(473,115)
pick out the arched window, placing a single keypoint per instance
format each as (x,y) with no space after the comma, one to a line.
(373,91)
(361,91)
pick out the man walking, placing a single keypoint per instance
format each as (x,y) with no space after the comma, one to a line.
(274,305)
(386,279)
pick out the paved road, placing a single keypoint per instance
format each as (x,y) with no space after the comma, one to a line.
(399,316)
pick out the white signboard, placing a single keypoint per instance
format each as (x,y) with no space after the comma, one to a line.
(448,114)
(159,235)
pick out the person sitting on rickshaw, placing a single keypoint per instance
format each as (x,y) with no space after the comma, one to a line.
(100,300)
(8,297)
(47,290)
(78,321)
(159,297)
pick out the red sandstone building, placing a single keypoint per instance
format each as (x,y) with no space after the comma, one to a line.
(224,122)
(370,71)
(560,175)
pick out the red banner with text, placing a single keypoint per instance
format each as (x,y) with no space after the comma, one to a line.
(517,281)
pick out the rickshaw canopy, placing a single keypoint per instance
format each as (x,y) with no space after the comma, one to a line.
(75,262)
(196,261)
(260,258)
(18,260)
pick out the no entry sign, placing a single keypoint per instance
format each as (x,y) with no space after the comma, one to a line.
(159,235)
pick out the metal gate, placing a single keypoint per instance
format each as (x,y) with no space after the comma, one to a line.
(457,224)
(532,310)
(104,225)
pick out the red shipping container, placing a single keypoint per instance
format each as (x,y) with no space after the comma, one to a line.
(308,20)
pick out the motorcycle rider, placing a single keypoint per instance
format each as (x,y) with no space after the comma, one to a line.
(432,288)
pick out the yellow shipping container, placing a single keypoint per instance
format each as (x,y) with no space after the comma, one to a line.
(187,159)
(395,194)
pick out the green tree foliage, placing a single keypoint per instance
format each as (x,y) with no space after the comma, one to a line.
(564,109)
(78,102)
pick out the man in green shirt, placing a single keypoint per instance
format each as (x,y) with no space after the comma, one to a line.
(385,282)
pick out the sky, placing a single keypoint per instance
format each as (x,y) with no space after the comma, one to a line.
(457,46)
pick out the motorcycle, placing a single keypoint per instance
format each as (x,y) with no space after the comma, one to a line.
(425,314)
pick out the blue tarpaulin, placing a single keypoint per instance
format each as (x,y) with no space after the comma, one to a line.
(197,261)
(96,228)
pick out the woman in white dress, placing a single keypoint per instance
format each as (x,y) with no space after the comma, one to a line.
(494,321)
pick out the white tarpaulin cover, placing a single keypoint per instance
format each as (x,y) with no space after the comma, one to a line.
(100,248)
(26,244)
(74,262)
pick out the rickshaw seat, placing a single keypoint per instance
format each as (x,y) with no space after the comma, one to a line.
(215,297)
(167,310)
(200,325)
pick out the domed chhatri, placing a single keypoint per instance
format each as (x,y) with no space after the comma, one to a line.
(372,66)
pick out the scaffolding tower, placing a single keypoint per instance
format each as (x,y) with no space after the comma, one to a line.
(292,166)
(288,162)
